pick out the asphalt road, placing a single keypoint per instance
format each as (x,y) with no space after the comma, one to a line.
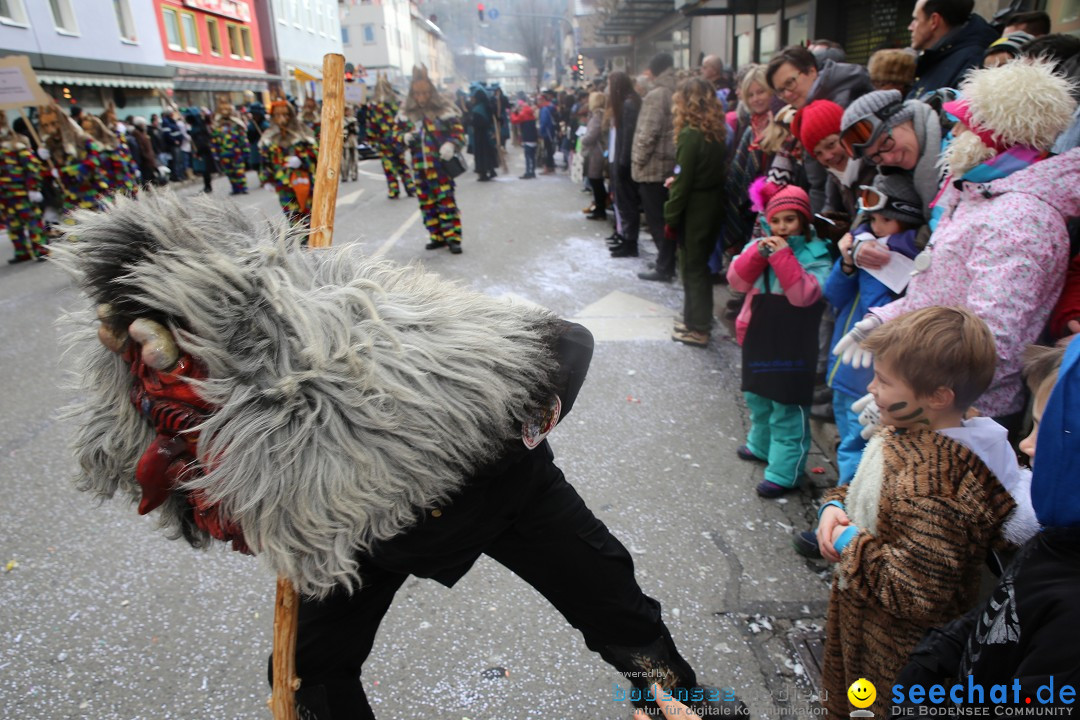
(102,617)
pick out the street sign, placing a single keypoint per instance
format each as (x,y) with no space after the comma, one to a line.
(492,14)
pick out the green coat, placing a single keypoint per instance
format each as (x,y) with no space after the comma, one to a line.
(694,204)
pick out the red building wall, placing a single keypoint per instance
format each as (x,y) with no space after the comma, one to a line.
(223,13)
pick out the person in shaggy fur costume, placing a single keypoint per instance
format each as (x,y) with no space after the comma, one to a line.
(435,135)
(349,421)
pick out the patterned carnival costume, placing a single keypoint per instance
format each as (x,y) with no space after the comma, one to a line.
(22,177)
(77,158)
(435,135)
(289,158)
(117,164)
(228,140)
(384,133)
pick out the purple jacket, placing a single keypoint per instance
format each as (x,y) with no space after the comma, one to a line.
(1001,249)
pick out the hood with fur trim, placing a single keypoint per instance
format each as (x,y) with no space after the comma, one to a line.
(350,394)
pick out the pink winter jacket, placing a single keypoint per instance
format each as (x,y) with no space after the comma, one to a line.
(798,271)
(1001,249)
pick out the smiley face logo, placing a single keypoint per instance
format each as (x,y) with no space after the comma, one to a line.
(862,693)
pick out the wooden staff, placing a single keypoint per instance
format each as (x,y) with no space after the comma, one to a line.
(331,142)
(324,201)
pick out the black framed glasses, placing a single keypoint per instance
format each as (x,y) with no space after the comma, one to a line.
(790,84)
(887,145)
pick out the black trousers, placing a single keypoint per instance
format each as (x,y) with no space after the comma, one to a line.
(627,204)
(653,197)
(534,523)
(599,193)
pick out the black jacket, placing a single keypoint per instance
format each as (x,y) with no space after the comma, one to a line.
(944,65)
(624,135)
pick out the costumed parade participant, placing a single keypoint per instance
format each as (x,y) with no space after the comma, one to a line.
(76,157)
(384,134)
(228,140)
(434,137)
(310,116)
(117,164)
(350,421)
(22,178)
(350,148)
(289,157)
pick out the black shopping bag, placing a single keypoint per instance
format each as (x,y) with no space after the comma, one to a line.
(779,353)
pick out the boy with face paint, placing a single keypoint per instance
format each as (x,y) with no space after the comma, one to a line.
(933,494)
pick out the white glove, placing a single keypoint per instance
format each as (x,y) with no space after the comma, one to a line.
(869,415)
(446,152)
(35,197)
(43,153)
(269,186)
(407,138)
(121,128)
(850,347)
(293,162)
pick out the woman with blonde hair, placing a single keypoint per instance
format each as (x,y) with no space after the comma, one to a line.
(692,215)
(594,149)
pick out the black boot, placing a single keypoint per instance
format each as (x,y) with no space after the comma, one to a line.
(624,249)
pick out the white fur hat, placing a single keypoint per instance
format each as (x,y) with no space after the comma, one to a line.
(1023,102)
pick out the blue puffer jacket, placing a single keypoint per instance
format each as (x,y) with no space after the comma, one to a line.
(944,65)
(852,296)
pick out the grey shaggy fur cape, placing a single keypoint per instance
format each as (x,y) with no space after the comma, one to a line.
(351,394)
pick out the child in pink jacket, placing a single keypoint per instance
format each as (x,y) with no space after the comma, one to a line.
(782,276)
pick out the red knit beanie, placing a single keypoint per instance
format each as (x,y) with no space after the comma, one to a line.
(789,197)
(815,122)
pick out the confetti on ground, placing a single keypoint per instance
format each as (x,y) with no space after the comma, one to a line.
(11,565)
(632,399)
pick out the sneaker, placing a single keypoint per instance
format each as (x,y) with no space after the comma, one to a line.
(455,248)
(434,245)
(770,490)
(624,250)
(690,337)
(805,543)
(744,454)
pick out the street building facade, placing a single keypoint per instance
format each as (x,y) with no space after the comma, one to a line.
(214,46)
(88,53)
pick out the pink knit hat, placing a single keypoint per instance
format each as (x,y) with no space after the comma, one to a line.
(789,197)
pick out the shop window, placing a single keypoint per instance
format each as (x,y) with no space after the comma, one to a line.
(767,42)
(12,12)
(344,36)
(213,30)
(798,30)
(172,29)
(64,17)
(191,33)
(245,39)
(744,50)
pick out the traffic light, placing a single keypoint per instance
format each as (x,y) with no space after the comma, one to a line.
(480,11)
(580,67)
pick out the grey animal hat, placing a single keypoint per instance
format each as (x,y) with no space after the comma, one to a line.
(903,203)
